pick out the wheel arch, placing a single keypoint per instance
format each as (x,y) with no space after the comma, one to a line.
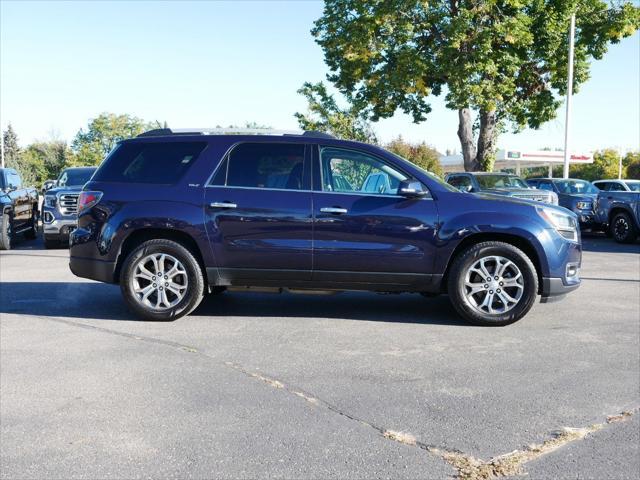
(622,209)
(139,236)
(519,242)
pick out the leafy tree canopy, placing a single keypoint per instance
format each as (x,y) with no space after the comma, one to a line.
(419,154)
(506,60)
(102,134)
(324,115)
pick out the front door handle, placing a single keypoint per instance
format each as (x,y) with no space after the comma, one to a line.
(223,205)
(334,210)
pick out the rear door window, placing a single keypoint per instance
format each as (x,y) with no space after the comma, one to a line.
(154,162)
(265,165)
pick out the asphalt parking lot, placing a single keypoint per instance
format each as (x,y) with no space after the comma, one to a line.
(354,385)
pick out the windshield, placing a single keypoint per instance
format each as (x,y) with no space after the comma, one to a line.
(500,181)
(75,177)
(633,186)
(575,186)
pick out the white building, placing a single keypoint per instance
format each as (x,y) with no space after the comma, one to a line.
(517,159)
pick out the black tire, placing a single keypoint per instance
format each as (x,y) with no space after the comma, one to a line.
(195,280)
(32,233)
(457,290)
(49,243)
(6,232)
(622,228)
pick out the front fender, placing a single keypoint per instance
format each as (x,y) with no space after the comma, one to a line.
(500,224)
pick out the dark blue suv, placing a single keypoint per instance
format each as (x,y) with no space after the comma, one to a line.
(172,216)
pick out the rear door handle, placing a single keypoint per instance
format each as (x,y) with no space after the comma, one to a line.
(223,205)
(334,210)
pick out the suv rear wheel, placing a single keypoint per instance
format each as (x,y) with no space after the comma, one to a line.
(492,283)
(161,280)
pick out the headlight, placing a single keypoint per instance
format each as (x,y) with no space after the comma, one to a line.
(584,205)
(50,201)
(564,224)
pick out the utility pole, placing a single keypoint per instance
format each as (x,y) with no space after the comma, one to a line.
(567,122)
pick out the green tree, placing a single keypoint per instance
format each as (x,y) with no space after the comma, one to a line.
(420,154)
(47,159)
(633,165)
(103,132)
(325,115)
(13,157)
(502,61)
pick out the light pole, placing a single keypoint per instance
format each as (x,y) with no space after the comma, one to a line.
(567,122)
(1,148)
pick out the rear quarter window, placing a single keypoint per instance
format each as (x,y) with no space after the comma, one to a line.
(157,162)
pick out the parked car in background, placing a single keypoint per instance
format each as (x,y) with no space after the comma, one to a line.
(579,196)
(618,185)
(618,212)
(47,185)
(60,207)
(171,217)
(18,208)
(499,184)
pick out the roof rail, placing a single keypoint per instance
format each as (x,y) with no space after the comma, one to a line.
(232,131)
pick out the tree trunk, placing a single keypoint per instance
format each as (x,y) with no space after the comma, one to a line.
(486,140)
(465,134)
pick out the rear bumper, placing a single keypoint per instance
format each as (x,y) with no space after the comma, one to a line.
(99,270)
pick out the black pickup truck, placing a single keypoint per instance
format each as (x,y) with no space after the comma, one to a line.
(18,208)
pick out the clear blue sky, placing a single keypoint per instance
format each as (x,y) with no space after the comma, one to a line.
(199,64)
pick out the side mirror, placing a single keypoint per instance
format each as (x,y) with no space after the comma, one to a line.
(466,188)
(411,189)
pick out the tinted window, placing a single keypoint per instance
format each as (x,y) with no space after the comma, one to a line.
(545,186)
(14,180)
(461,182)
(351,171)
(500,181)
(158,162)
(74,177)
(616,187)
(266,165)
(575,186)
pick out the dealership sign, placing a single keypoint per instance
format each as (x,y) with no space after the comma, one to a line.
(543,156)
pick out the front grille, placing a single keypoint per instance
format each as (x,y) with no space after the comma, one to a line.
(68,203)
(535,196)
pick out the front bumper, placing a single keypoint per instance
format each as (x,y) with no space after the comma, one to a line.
(555,289)
(56,226)
(586,218)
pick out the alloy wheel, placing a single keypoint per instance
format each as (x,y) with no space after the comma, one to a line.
(493,285)
(159,281)
(621,228)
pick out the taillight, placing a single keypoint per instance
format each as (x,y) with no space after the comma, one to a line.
(87,200)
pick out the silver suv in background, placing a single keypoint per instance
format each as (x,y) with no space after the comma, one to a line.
(499,184)
(60,207)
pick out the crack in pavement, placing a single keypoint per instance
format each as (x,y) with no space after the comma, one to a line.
(466,466)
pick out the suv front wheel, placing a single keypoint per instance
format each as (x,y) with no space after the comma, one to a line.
(161,280)
(492,283)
